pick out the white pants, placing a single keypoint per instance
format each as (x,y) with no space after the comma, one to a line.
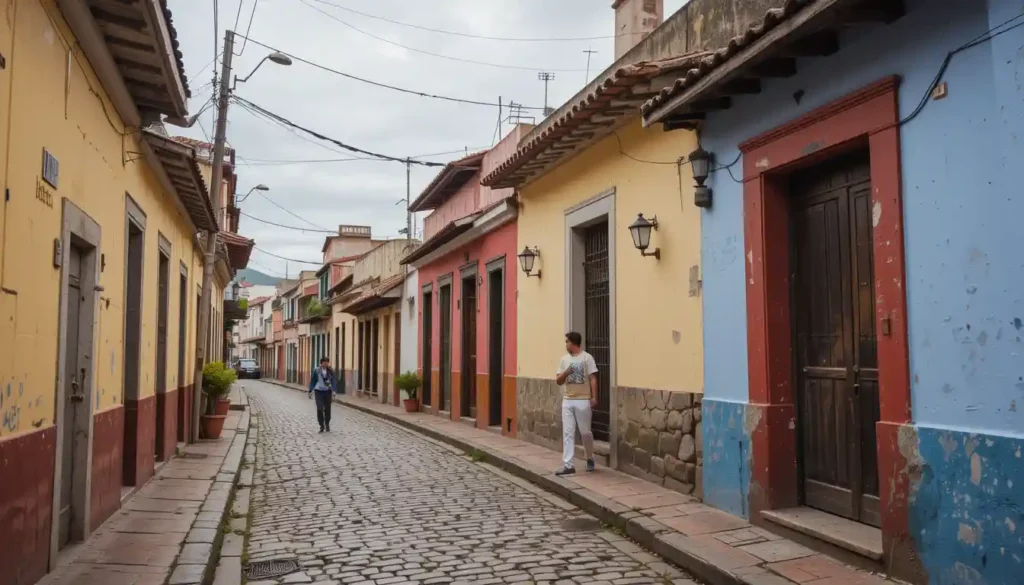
(576,412)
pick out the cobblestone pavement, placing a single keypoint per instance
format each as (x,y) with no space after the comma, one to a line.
(374,504)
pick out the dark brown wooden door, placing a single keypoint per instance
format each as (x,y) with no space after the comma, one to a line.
(597,315)
(468,406)
(836,350)
(496,337)
(428,349)
(445,309)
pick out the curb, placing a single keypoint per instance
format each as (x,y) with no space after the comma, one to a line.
(195,563)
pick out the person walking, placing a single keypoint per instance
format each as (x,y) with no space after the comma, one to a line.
(322,384)
(577,375)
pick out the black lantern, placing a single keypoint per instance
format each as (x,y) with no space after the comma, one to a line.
(641,232)
(700,162)
(527,258)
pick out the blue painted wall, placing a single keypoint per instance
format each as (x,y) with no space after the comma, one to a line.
(963,189)
(726,456)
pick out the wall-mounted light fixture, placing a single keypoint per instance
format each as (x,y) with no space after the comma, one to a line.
(641,232)
(700,162)
(527,258)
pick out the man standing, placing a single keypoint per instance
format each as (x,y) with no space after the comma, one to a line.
(321,383)
(577,375)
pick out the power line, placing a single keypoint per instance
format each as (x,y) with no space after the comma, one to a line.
(238,14)
(274,162)
(466,35)
(290,227)
(288,259)
(252,15)
(252,112)
(355,149)
(291,213)
(380,84)
(438,55)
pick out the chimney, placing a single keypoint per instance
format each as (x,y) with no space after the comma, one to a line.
(634,20)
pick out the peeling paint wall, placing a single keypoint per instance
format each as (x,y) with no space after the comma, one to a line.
(961,177)
(726,456)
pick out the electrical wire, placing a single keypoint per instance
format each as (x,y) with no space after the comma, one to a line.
(622,151)
(468,35)
(291,213)
(286,258)
(383,85)
(245,37)
(252,112)
(437,55)
(290,227)
(271,115)
(281,162)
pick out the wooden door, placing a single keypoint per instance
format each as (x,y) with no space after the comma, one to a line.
(468,402)
(445,308)
(74,406)
(428,349)
(182,358)
(496,346)
(836,349)
(397,357)
(163,307)
(597,316)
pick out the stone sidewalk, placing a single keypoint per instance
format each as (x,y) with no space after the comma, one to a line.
(714,546)
(168,531)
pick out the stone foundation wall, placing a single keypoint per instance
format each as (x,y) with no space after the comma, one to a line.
(539,412)
(659,437)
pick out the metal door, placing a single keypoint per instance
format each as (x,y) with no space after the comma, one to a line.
(597,309)
(468,406)
(836,345)
(74,398)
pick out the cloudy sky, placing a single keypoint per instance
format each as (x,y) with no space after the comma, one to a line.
(319,195)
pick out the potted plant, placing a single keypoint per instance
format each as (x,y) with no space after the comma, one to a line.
(217,380)
(410,384)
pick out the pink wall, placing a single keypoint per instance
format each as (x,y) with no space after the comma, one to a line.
(458,206)
(493,245)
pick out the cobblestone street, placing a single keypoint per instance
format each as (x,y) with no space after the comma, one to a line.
(372,503)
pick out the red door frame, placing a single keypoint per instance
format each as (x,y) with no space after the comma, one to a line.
(868,117)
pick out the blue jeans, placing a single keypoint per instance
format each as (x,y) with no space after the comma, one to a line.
(323,407)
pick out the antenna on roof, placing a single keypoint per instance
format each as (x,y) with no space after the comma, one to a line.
(590,53)
(546,78)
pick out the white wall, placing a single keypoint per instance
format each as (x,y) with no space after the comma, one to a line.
(410,323)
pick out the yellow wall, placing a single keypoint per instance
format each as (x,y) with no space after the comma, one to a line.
(659,329)
(97,168)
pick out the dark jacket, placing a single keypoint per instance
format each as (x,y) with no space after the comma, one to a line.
(329,381)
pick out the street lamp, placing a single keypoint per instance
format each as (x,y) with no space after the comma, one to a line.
(527,258)
(700,162)
(641,232)
(260,187)
(275,57)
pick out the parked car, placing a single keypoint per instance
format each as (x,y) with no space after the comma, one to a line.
(247,368)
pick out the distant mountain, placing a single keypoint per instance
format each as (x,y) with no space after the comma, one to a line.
(256,277)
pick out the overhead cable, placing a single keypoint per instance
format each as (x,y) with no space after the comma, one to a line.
(286,258)
(289,227)
(438,55)
(467,35)
(384,85)
(355,149)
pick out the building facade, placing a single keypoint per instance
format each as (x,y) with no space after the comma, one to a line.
(100,271)
(465,274)
(878,386)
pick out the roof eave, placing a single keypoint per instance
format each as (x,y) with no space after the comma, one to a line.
(179,174)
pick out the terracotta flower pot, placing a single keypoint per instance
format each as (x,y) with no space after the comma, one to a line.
(223,406)
(212,425)
(411,405)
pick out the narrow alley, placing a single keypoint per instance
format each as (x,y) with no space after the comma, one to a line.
(372,503)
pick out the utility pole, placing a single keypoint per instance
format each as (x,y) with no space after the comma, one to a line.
(408,200)
(546,78)
(590,53)
(211,236)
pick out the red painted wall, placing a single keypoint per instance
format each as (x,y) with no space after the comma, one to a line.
(139,453)
(26,505)
(481,251)
(107,451)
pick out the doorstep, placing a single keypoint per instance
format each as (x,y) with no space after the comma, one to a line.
(854,542)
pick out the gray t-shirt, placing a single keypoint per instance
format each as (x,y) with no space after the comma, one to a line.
(581,366)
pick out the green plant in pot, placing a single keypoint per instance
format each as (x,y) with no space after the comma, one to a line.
(410,383)
(217,380)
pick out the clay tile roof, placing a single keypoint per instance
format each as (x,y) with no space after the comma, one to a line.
(601,106)
(452,177)
(773,18)
(178,57)
(239,248)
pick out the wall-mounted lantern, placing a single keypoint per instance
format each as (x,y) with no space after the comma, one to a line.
(641,232)
(700,162)
(527,258)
